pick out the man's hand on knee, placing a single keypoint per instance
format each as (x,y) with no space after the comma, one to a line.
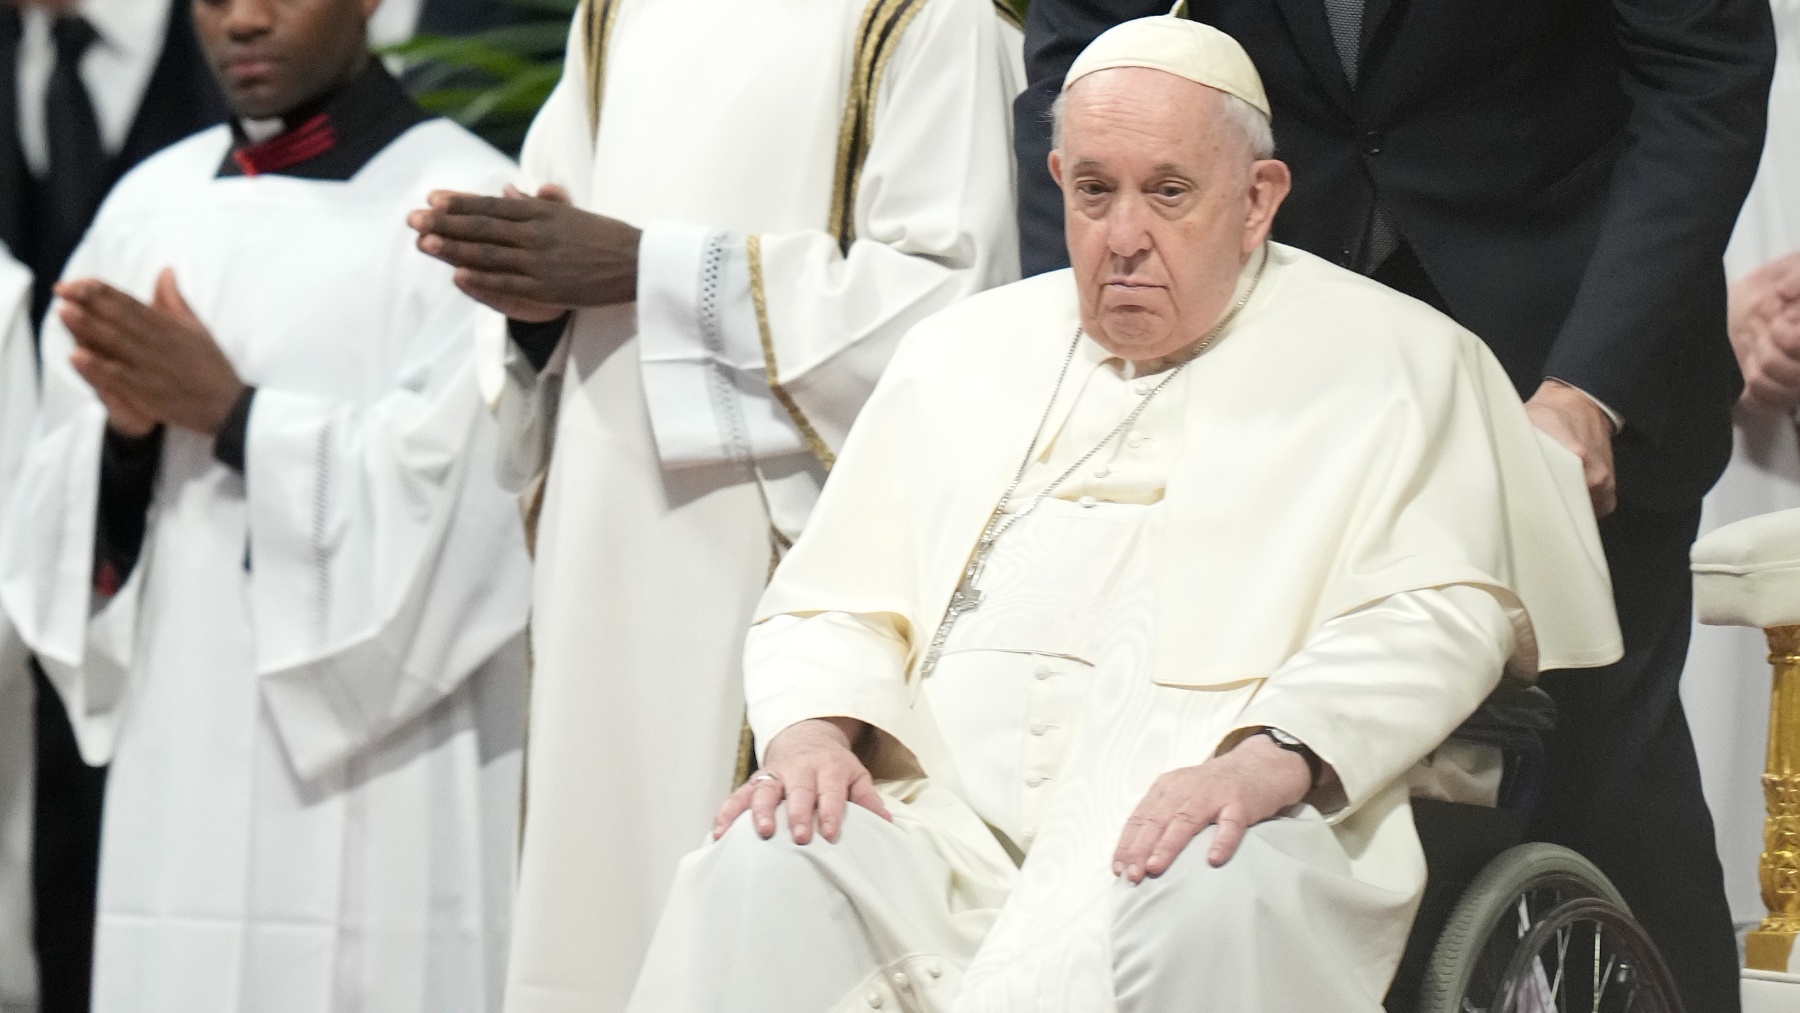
(1253,782)
(810,764)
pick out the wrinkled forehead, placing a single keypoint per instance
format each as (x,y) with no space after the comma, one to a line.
(1136,112)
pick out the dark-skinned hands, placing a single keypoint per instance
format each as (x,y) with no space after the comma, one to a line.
(149,364)
(1236,790)
(531,258)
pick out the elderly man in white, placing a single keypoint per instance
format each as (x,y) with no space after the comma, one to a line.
(1139,595)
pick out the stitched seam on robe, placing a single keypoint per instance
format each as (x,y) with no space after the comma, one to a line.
(728,413)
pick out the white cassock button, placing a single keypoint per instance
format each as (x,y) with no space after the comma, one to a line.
(1141,387)
(874,1000)
(1102,471)
(1034,781)
(1039,728)
(1134,440)
(902,982)
(935,971)
(1044,672)
(1087,501)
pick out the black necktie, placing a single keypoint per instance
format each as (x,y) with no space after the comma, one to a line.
(1346,17)
(12,160)
(78,165)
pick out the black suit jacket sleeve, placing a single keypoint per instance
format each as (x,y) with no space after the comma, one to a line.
(1652,299)
(1056,31)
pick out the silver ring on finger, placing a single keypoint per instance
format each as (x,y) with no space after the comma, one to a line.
(765,777)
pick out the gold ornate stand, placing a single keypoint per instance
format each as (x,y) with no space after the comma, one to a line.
(1768,946)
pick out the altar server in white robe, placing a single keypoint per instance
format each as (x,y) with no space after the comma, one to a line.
(257,545)
(1135,596)
(764,197)
(18,403)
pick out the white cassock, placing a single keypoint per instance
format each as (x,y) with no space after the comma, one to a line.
(813,178)
(18,402)
(1336,522)
(311,687)
(1725,685)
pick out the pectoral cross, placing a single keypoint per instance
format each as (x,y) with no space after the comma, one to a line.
(965,599)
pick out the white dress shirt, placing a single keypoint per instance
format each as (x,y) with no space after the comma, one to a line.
(116,70)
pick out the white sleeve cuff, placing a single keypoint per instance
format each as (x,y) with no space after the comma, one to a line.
(701,351)
(1617,420)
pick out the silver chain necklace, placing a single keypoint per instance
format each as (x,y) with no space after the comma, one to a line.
(967,597)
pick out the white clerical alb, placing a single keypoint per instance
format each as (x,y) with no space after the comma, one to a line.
(18,403)
(1337,522)
(311,687)
(812,179)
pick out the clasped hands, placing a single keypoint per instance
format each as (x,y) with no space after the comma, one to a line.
(149,363)
(813,766)
(1763,319)
(531,258)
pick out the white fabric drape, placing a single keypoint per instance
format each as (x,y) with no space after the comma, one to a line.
(18,403)
(672,458)
(310,688)
(1725,687)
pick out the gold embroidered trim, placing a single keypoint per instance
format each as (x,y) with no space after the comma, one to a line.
(746,755)
(1009,14)
(597,17)
(814,442)
(877,34)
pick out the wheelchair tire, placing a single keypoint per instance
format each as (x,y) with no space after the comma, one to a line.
(1472,955)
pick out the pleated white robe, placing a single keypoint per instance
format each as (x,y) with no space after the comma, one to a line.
(676,470)
(311,687)
(18,403)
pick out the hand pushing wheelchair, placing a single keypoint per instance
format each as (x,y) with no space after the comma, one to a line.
(1506,927)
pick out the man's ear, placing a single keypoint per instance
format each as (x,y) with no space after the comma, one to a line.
(1270,182)
(1055,163)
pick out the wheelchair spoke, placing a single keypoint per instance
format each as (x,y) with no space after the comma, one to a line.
(1602,979)
(1562,964)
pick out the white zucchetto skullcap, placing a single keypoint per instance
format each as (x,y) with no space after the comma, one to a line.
(1198,52)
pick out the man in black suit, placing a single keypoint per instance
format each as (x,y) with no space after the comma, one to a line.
(1561,176)
(98,97)
(88,89)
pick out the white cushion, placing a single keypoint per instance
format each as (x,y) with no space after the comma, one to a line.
(1748,573)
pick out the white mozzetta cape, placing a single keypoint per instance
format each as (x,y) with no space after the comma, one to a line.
(18,401)
(1344,444)
(310,688)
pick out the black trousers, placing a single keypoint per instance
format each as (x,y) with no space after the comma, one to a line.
(1623,784)
(65,859)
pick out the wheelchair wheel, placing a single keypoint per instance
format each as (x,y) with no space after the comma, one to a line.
(1587,955)
(1513,894)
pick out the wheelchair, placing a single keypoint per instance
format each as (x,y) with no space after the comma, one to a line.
(1510,927)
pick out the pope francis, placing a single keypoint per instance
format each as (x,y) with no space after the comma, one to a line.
(1139,595)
